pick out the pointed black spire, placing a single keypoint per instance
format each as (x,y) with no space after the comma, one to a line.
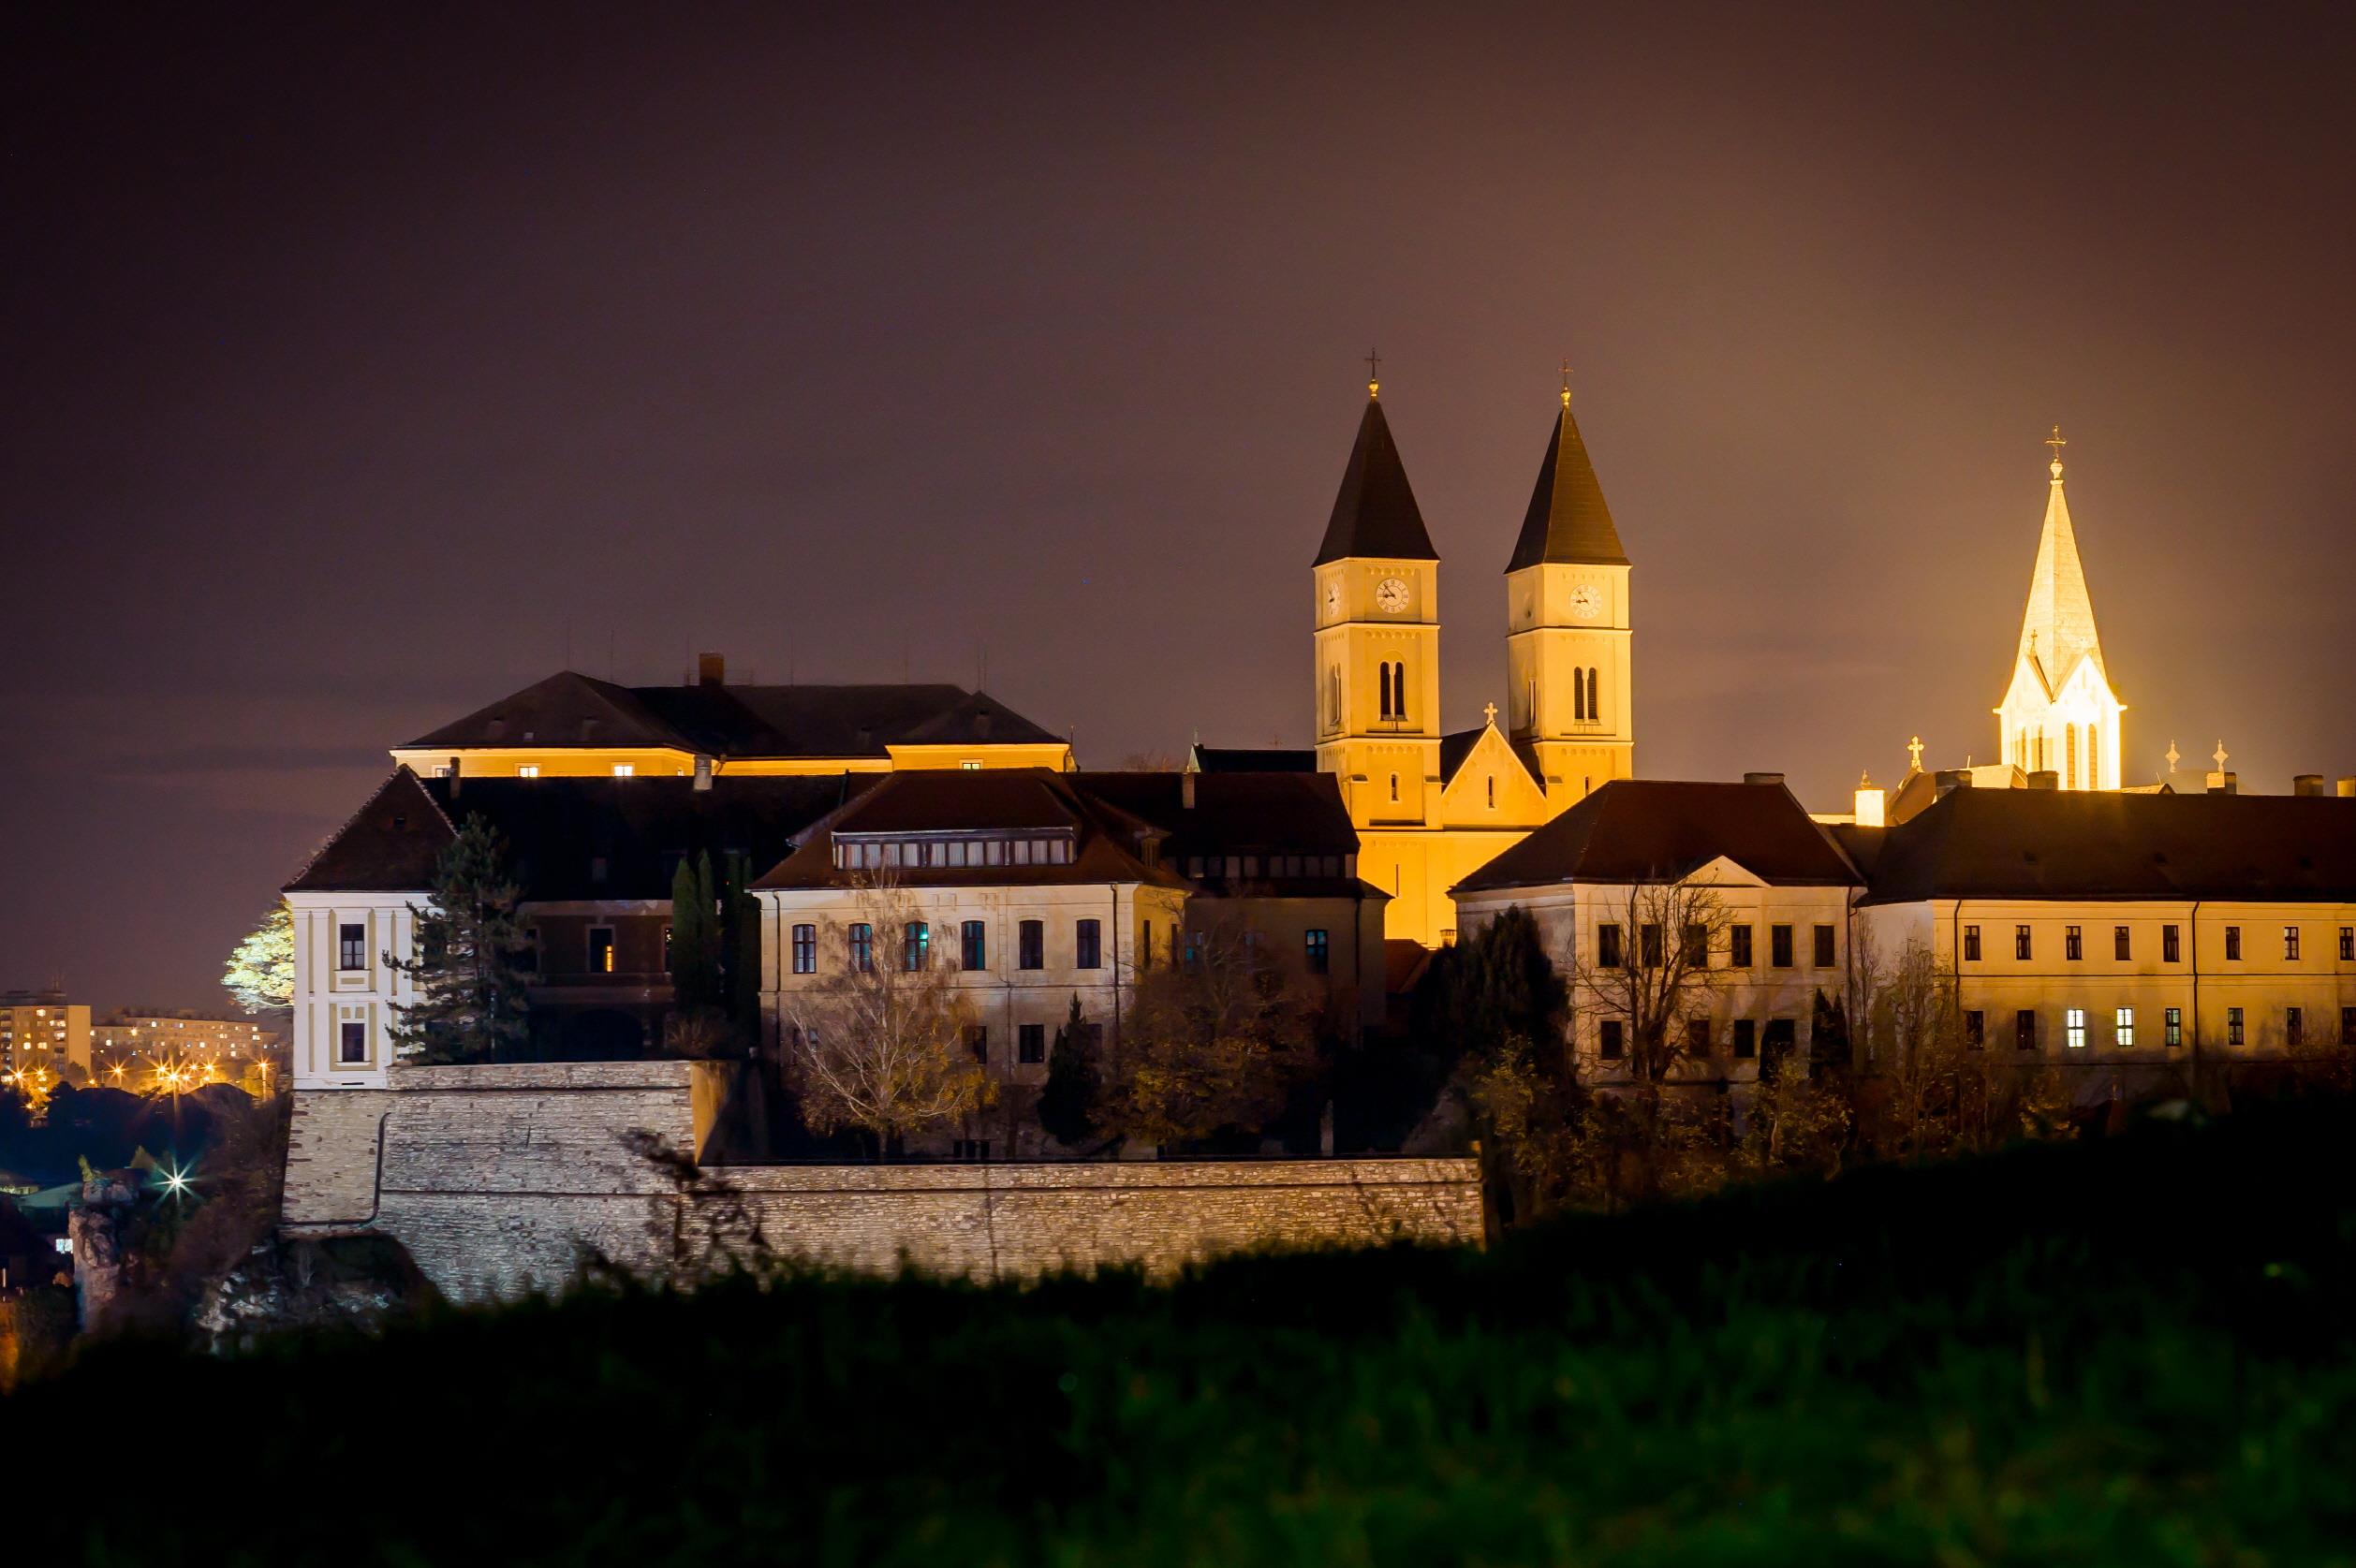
(1375,512)
(1567,520)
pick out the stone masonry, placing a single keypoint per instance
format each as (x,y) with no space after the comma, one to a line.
(497,1178)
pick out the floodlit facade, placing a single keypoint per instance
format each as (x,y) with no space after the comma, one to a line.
(2059,714)
(41,1034)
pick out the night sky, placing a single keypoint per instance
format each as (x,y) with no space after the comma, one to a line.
(360,361)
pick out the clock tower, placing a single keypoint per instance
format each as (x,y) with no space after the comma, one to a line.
(1377,641)
(1567,628)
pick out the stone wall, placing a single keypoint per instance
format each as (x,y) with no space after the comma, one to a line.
(497,1179)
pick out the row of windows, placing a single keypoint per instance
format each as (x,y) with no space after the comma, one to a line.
(1276,865)
(1744,1038)
(1700,1041)
(952,854)
(1694,947)
(1030,947)
(2170,943)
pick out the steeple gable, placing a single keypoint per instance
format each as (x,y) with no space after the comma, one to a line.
(2057,627)
(1375,512)
(1568,522)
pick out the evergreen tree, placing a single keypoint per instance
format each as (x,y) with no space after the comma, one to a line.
(695,939)
(470,1003)
(739,946)
(262,969)
(1067,1102)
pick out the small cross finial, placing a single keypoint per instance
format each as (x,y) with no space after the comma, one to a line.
(2173,757)
(1565,383)
(2056,442)
(1490,713)
(2220,755)
(1374,375)
(1914,753)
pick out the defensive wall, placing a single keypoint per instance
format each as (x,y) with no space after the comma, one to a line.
(498,1178)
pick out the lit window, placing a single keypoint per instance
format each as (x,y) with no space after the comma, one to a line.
(2123,1028)
(916,946)
(529,771)
(601,949)
(624,771)
(970,765)
(2074,1022)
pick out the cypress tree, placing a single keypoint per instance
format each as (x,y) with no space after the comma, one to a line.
(1068,1101)
(471,1001)
(695,938)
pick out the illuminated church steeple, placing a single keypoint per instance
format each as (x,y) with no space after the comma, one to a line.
(2060,713)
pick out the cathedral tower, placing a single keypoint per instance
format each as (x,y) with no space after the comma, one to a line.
(1379,637)
(2060,713)
(1568,629)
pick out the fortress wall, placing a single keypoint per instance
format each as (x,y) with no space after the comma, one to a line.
(498,1177)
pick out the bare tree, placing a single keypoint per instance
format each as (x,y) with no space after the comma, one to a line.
(1212,1043)
(1935,1091)
(879,1044)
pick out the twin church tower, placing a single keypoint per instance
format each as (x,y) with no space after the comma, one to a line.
(1433,805)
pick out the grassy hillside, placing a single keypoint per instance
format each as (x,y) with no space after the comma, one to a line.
(2135,1351)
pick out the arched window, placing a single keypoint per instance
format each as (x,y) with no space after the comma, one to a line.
(1595,709)
(1394,786)
(1333,697)
(1578,697)
(1529,709)
(2093,760)
(2069,746)
(1493,792)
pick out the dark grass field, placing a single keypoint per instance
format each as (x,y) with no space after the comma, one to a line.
(2132,1352)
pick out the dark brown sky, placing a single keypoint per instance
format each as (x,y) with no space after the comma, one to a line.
(349,358)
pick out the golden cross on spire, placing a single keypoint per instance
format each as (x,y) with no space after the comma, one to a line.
(1914,753)
(1490,713)
(2056,442)
(1565,383)
(1373,373)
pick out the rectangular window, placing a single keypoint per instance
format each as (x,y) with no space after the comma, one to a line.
(1745,1038)
(2123,1028)
(1780,1038)
(2294,1032)
(974,1152)
(805,949)
(351,946)
(2347,944)
(2025,1030)
(2232,1026)
(916,946)
(1144,945)
(1031,944)
(1696,946)
(1975,1030)
(862,949)
(1030,1042)
(1739,947)
(2073,944)
(2290,944)
(2074,1027)
(2021,943)
(2348,1026)
(601,949)
(1316,950)
(2233,944)
(2171,1025)
(1090,941)
(1648,938)
(1971,944)
(2121,948)
(2170,948)
(624,771)
(1780,946)
(1698,1039)
(972,946)
(1608,953)
(1824,945)
(352,1043)
(977,1042)
(1610,1046)
(529,771)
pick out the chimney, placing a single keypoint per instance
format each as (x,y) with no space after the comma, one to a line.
(1872,804)
(2306,783)
(2045,778)
(2225,784)
(703,772)
(2347,787)
(1763,777)
(712,669)
(1948,780)
(456,770)
(1185,789)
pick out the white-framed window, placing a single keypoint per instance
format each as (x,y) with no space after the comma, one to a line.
(2074,1022)
(2123,1028)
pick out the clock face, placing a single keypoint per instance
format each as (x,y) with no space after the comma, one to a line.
(1332,598)
(1585,603)
(1390,595)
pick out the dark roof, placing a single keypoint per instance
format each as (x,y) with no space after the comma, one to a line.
(557,829)
(390,844)
(1454,748)
(2043,844)
(1567,520)
(1375,512)
(1646,829)
(1246,759)
(1108,842)
(1262,814)
(572,710)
